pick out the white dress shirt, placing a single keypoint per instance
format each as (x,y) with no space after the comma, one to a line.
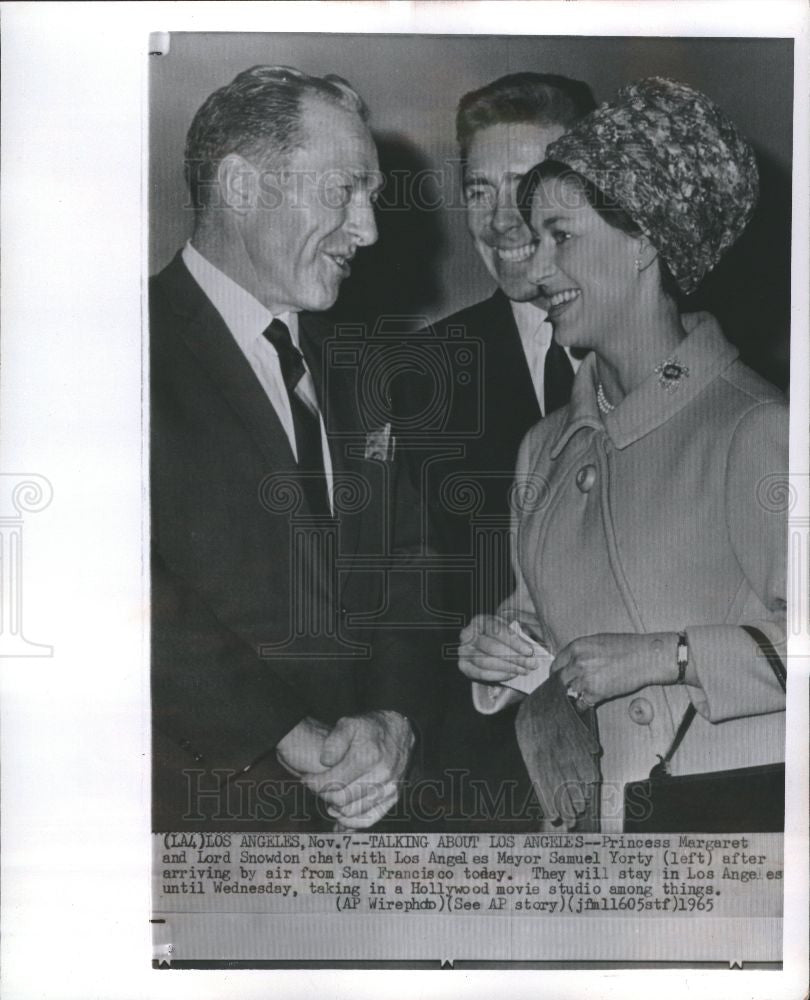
(247,319)
(535,336)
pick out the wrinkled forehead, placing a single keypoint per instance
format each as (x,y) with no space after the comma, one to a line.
(336,138)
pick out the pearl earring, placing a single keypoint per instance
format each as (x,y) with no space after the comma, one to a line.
(638,263)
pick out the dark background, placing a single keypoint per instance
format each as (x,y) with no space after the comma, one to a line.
(424,264)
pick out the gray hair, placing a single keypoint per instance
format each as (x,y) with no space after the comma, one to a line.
(258,115)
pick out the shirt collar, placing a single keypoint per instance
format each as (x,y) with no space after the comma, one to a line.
(531,322)
(535,332)
(244,315)
(698,359)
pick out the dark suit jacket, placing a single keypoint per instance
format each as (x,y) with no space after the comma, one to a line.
(489,406)
(256,618)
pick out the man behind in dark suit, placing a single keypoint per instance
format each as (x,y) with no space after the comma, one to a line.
(502,130)
(268,486)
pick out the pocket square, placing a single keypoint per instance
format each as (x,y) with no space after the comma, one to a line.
(380,444)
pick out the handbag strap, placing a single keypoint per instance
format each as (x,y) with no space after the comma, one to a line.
(775,663)
(662,767)
(770,654)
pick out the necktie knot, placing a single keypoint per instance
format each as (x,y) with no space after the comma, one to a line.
(290,358)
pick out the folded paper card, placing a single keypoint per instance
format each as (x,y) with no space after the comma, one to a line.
(491,698)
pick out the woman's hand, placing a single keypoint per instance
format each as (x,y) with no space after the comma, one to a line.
(598,667)
(491,652)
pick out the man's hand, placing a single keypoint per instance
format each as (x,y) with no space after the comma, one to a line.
(300,750)
(360,764)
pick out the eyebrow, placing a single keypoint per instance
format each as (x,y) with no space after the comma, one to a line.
(555,219)
(368,180)
(470,179)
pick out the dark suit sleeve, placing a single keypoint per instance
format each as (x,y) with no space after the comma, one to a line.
(211,692)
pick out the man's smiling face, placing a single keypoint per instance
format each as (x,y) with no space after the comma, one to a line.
(498,156)
(314,213)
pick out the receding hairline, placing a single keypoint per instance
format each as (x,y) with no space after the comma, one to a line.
(317,104)
(261,115)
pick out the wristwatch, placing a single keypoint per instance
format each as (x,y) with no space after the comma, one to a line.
(682,657)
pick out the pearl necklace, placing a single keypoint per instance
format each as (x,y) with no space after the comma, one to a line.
(604,404)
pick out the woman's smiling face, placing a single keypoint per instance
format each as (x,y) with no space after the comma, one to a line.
(584,267)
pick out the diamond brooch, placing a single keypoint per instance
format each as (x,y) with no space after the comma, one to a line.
(670,373)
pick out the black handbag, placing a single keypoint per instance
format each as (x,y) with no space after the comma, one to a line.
(746,800)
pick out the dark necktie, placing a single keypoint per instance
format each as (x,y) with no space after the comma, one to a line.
(558,377)
(306,423)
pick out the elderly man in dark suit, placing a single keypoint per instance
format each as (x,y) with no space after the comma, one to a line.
(514,374)
(288,686)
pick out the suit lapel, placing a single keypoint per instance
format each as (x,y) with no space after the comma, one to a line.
(507,358)
(511,405)
(207,337)
(337,390)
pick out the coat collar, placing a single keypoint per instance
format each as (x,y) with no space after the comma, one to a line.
(337,385)
(339,389)
(704,354)
(209,340)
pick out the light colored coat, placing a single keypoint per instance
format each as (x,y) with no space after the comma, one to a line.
(664,515)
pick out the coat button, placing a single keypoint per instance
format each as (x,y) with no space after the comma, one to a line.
(641,711)
(586,477)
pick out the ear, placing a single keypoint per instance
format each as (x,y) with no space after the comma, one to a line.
(646,254)
(237,180)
